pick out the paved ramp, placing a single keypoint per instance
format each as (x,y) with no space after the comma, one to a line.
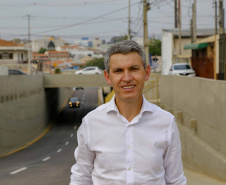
(200,179)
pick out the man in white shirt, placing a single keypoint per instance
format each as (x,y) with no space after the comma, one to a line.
(128,141)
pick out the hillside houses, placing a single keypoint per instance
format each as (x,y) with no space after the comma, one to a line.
(54,53)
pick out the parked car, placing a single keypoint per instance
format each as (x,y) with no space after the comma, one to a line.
(79,88)
(16,72)
(183,69)
(89,70)
(74,102)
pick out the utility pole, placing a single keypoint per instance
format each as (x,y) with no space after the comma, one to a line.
(175,14)
(129,21)
(221,17)
(146,7)
(192,31)
(179,21)
(215,17)
(29,46)
(194,21)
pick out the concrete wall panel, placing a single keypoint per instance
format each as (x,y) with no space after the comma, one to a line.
(26,109)
(199,105)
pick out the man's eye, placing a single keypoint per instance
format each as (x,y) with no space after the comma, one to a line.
(117,70)
(135,69)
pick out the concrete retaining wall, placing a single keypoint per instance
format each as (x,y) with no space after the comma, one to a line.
(199,106)
(26,109)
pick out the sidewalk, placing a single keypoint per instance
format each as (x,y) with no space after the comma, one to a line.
(194,178)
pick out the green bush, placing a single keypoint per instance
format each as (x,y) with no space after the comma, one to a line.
(57,71)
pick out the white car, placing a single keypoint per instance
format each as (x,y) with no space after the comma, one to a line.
(183,69)
(89,70)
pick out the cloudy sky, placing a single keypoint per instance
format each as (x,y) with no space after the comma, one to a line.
(73,19)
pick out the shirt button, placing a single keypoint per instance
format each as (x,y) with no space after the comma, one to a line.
(129,168)
(130,147)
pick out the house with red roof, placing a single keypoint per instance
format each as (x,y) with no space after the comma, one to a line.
(58,55)
(12,53)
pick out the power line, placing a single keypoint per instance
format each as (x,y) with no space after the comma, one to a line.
(76,24)
(59,26)
(45,3)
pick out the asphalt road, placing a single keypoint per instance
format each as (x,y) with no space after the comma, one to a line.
(48,161)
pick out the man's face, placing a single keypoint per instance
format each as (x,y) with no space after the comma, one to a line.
(127,76)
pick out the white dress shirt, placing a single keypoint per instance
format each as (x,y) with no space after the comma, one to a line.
(113,151)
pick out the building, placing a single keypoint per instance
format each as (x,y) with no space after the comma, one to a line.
(85,41)
(173,51)
(97,43)
(39,59)
(12,53)
(46,42)
(76,50)
(205,57)
(58,55)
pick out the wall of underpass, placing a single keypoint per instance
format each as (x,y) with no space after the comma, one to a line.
(26,109)
(199,106)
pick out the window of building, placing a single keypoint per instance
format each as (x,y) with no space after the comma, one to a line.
(7,56)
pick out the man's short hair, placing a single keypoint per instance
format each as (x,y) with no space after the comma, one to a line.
(124,47)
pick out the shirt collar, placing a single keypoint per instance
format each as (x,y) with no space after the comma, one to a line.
(112,106)
(146,106)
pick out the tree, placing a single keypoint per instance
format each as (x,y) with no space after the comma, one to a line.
(99,62)
(155,47)
(42,50)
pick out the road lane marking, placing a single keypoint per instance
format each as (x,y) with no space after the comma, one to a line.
(75,127)
(72,135)
(17,171)
(58,151)
(67,143)
(47,158)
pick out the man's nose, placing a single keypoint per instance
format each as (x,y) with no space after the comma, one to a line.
(127,77)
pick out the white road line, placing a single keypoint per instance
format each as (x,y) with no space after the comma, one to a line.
(72,135)
(47,158)
(17,171)
(58,151)
(75,127)
(67,143)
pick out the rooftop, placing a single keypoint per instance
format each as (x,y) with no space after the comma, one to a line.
(6,43)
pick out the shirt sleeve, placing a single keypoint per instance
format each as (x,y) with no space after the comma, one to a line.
(174,174)
(84,156)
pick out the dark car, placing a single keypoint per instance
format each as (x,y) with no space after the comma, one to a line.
(16,72)
(74,102)
(79,88)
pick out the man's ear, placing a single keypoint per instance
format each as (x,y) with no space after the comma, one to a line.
(106,75)
(147,72)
